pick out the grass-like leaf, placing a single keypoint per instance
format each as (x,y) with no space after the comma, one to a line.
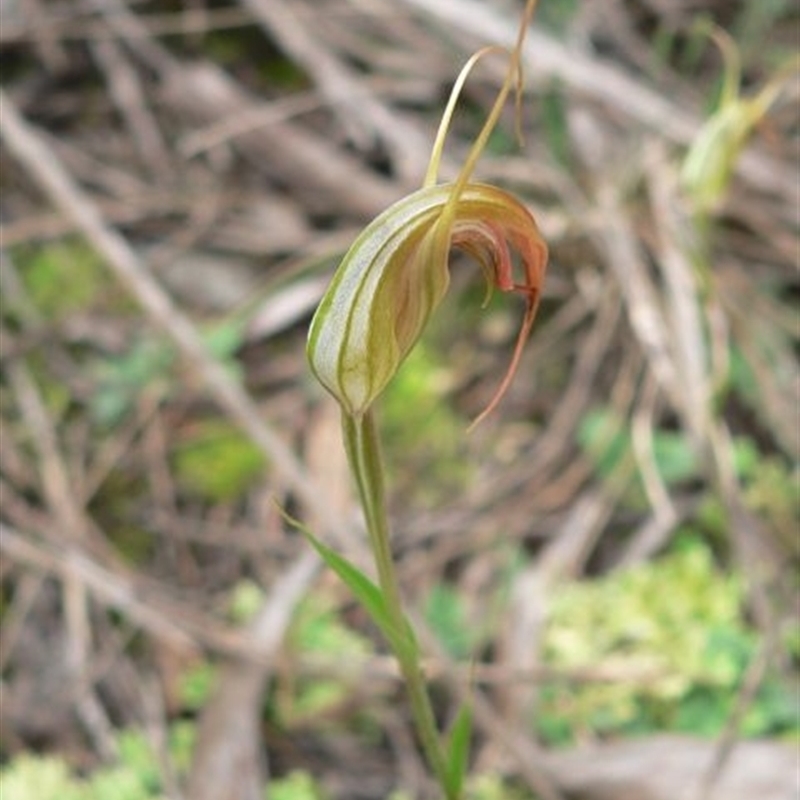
(457,752)
(365,590)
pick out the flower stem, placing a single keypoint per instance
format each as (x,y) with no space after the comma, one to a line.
(364,453)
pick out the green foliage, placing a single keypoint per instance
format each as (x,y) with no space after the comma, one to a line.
(28,776)
(217,461)
(63,277)
(135,777)
(122,379)
(136,755)
(223,339)
(182,737)
(446,614)
(486,786)
(660,614)
(554,121)
(502,142)
(296,785)
(605,438)
(196,684)
(742,378)
(773,492)
(420,428)
(147,365)
(55,394)
(318,631)
(457,755)
(776,711)
(557,14)
(494,787)
(114,506)
(368,594)
(678,624)
(246,599)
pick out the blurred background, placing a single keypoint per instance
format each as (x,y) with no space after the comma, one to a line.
(607,566)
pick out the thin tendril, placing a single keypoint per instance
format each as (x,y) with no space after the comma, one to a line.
(733,65)
(513,77)
(444,126)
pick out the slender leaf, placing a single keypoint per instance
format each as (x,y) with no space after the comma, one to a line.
(365,590)
(458,750)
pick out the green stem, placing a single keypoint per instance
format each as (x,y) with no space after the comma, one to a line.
(363,451)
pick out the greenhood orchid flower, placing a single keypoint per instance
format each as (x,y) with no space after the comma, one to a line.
(396,274)
(710,161)
(397,271)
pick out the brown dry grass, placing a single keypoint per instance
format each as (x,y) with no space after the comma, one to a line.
(219,160)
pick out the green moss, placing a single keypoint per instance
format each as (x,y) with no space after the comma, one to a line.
(446,613)
(678,620)
(318,631)
(63,277)
(421,430)
(28,777)
(217,462)
(297,785)
(135,776)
